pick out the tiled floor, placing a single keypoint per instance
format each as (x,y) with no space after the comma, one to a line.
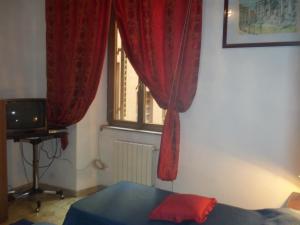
(53,210)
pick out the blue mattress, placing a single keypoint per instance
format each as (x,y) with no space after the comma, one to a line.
(130,204)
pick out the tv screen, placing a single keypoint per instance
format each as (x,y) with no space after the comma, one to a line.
(25,114)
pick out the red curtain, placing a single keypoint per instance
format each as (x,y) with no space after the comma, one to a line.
(76,40)
(162,39)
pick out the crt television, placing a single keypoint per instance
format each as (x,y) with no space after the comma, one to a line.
(25,115)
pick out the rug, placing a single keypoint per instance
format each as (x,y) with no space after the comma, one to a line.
(22,222)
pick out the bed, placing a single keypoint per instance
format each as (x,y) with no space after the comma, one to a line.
(130,204)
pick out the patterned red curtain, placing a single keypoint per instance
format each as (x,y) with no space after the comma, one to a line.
(162,39)
(76,39)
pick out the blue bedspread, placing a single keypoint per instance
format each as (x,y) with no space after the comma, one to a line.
(130,204)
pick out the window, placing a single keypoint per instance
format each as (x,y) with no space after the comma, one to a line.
(130,103)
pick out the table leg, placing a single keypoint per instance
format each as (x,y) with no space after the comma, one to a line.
(35,167)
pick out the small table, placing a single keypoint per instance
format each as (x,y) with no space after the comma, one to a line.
(35,139)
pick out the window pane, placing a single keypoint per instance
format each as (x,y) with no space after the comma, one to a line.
(126,87)
(153,114)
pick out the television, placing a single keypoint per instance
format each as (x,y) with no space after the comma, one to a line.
(25,115)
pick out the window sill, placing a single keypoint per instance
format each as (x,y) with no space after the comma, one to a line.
(130,129)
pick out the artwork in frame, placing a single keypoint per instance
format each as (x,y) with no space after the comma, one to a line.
(258,23)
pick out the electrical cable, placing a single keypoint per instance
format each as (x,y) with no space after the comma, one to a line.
(60,155)
(23,162)
(45,171)
(52,159)
(56,155)
(98,163)
(43,150)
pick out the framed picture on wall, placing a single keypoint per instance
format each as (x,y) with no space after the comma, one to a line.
(258,23)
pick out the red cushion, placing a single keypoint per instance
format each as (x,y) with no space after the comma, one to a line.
(180,207)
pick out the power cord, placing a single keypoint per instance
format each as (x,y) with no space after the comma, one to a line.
(56,155)
(98,163)
(52,158)
(26,161)
(23,162)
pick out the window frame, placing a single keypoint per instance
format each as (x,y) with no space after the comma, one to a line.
(111,58)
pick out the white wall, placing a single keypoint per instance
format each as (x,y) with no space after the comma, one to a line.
(22,49)
(240,138)
(23,75)
(22,63)
(88,138)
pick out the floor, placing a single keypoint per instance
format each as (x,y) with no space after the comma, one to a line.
(53,210)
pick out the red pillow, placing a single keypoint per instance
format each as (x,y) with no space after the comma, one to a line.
(180,207)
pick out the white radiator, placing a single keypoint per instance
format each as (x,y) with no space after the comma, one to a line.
(133,162)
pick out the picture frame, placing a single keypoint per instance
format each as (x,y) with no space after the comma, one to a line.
(258,23)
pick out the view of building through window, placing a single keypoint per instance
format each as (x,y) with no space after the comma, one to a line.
(127,91)
(153,114)
(126,87)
